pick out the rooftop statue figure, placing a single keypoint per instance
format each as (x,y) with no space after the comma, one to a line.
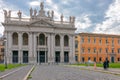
(48,13)
(19,14)
(35,12)
(31,12)
(41,5)
(5,13)
(52,13)
(9,15)
(61,17)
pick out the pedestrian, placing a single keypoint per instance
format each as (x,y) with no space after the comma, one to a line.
(105,65)
(107,62)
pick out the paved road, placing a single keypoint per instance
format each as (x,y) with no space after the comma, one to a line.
(19,73)
(59,72)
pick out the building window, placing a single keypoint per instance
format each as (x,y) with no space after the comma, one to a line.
(100,59)
(88,39)
(25,39)
(2,49)
(88,58)
(57,40)
(106,50)
(83,59)
(118,59)
(76,57)
(94,40)
(119,41)
(15,38)
(76,44)
(112,41)
(100,50)
(82,39)
(100,41)
(94,50)
(119,50)
(66,41)
(94,59)
(106,41)
(112,50)
(88,50)
(82,50)
(41,39)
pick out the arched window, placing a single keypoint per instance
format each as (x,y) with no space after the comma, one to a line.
(25,39)
(15,38)
(57,40)
(41,39)
(66,41)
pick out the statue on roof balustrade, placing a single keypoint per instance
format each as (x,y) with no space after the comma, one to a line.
(35,12)
(48,13)
(62,17)
(5,13)
(41,5)
(19,14)
(31,12)
(52,14)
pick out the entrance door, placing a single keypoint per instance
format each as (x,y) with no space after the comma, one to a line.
(42,57)
(112,59)
(66,57)
(57,56)
(15,56)
(25,56)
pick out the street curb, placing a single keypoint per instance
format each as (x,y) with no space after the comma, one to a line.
(26,77)
(97,70)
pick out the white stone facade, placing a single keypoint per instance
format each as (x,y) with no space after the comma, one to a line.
(39,39)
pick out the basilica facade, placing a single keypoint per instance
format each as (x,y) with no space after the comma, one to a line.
(39,38)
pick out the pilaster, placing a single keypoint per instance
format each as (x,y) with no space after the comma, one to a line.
(72,49)
(52,47)
(62,48)
(30,52)
(20,47)
(35,46)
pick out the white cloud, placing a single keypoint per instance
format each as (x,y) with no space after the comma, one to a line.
(83,22)
(112,23)
(34,3)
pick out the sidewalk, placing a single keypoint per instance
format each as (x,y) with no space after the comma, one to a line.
(115,71)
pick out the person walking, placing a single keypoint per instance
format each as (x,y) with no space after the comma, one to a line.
(105,65)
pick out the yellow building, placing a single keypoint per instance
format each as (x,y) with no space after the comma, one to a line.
(97,47)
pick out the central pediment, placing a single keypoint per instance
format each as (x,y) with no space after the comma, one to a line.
(41,23)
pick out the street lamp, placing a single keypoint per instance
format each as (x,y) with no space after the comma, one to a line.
(5,57)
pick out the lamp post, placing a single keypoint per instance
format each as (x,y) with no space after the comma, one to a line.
(5,57)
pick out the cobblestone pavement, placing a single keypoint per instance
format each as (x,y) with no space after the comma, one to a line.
(60,72)
(19,73)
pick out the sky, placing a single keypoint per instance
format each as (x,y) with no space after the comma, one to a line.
(92,16)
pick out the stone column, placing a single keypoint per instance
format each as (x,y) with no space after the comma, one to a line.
(20,47)
(35,47)
(9,47)
(62,48)
(49,48)
(53,47)
(30,43)
(6,60)
(72,49)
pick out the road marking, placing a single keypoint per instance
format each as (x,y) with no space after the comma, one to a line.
(25,78)
(10,73)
